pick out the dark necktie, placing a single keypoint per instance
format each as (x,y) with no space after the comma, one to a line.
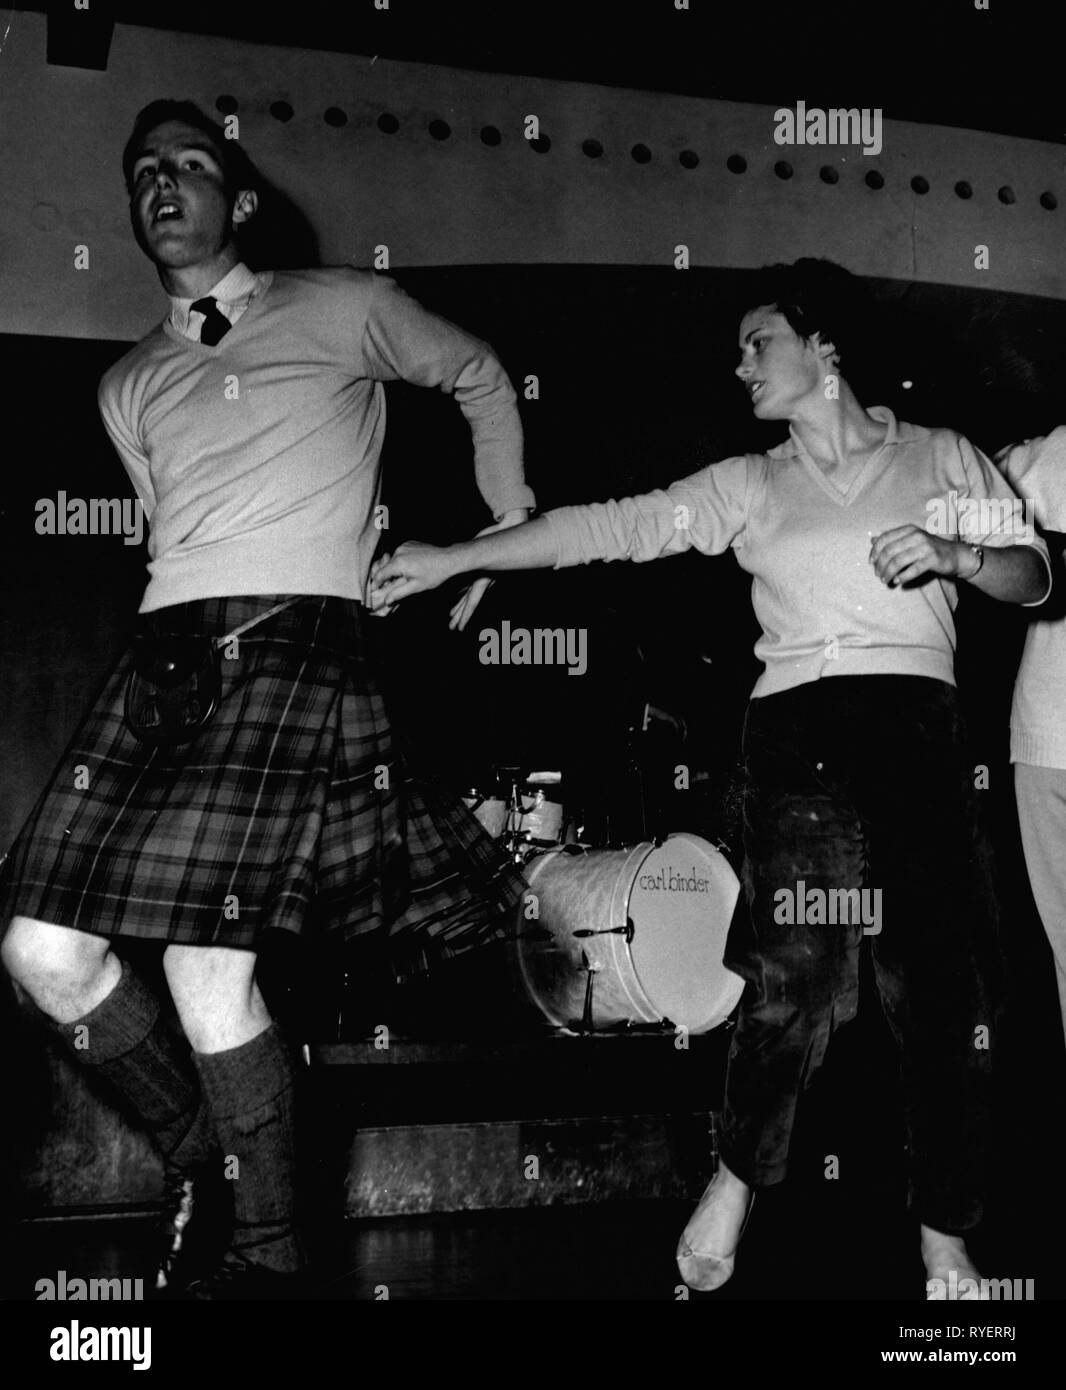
(215,325)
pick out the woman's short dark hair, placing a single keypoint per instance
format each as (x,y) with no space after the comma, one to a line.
(238,170)
(818,296)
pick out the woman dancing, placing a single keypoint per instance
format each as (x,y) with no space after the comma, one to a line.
(857,531)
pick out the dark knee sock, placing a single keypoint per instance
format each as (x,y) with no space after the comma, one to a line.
(251,1090)
(135,1049)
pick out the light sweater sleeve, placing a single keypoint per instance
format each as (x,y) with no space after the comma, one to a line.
(1036,470)
(705,511)
(990,513)
(114,409)
(403,341)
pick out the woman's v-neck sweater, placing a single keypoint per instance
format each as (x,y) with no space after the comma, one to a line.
(806,543)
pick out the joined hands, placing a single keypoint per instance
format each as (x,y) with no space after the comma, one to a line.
(415,568)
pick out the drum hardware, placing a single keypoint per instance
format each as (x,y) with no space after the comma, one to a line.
(626,931)
(586,1028)
(626,1028)
(524,811)
(586,1025)
(535,817)
(654,715)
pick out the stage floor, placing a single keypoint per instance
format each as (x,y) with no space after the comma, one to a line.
(805,1242)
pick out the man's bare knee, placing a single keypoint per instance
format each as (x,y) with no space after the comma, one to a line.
(43,953)
(66,973)
(209,969)
(215,994)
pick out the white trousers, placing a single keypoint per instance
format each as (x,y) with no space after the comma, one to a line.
(1041,796)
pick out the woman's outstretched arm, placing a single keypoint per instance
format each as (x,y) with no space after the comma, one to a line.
(705,511)
(414,567)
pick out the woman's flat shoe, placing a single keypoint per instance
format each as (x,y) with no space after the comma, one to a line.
(704,1270)
(968,1288)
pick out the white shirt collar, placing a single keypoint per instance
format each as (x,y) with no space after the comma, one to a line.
(233,291)
(899,432)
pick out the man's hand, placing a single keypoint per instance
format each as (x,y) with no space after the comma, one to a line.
(377,603)
(463,610)
(908,552)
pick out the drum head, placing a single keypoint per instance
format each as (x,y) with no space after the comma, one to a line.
(681,904)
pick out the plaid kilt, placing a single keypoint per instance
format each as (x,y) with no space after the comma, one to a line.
(292,811)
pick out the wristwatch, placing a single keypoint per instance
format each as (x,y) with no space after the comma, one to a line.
(979,551)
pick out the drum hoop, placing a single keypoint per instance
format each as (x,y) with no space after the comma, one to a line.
(530,874)
(620,901)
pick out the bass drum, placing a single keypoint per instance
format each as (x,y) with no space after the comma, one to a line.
(646,925)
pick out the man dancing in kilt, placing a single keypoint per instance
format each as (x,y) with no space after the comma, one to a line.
(241,776)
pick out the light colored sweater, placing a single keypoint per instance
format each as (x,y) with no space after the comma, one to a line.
(822,608)
(1037,471)
(258,460)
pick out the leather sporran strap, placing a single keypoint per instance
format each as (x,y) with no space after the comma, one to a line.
(176,683)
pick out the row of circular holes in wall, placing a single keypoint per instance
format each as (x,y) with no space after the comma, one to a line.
(688,159)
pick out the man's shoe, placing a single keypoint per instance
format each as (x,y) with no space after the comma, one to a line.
(179,1200)
(194,1230)
(237,1279)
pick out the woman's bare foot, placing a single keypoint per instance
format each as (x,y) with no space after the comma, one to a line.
(708,1247)
(949,1271)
